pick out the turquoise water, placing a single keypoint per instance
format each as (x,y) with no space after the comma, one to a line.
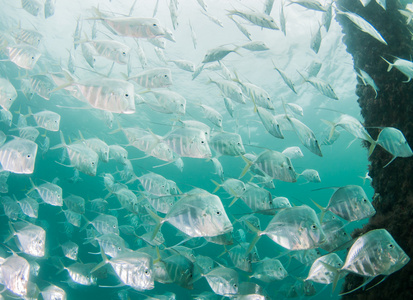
(342,164)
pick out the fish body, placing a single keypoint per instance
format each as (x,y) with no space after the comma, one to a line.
(270,123)
(394,142)
(98,146)
(33,7)
(286,79)
(27,36)
(319,273)
(14,274)
(31,238)
(269,270)
(199,215)
(367,80)
(336,234)
(223,281)
(188,142)
(7,96)
(112,50)
(311,175)
(322,86)
(216,54)
(293,152)
(184,65)
(296,228)
(255,46)
(23,55)
(154,78)
(49,8)
(257,18)
(276,165)
(170,102)
(230,90)
(18,156)
(258,199)
(47,119)
(49,192)
(227,143)
(53,292)
(70,250)
(81,273)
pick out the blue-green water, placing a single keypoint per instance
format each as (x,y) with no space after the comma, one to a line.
(340,165)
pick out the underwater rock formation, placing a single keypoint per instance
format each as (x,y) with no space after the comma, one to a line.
(393,107)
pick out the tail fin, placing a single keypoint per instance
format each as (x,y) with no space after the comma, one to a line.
(217,184)
(247,166)
(323,210)
(390,64)
(62,142)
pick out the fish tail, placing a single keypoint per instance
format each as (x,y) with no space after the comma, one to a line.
(158,221)
(62,142)
(217,186)
(233,201)
(33,186)
(104,262)
(323,210)
(390,64)
(87,223)
(247,166)
(372,147)
(12,233)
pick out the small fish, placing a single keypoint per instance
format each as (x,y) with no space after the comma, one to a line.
(75,204)
(227,143)
(223,281)
(111,244)
(295,108)
(316,40)
(27,36)
(310,175)
(274,164)
(72,217)
(232,186)
(46,119)
(89,54)
(53,292)
(367,80)
(157,42)
(153,78)
(269,270)
(327,17)
(213,19)
(286,79)
(336,234)
(18,156)
(394,142)
(49,8)
(229,106)
(282,19)
(230,90)
(349,202)
(33,7)
(11,208)
(241,28)
(258,199)
(404,66)
(70,250)
(110,49)
(7,96)
(218,168)
(293,152)
(193,35)
(97,145)
(319,273)
(255,46)
(310,4)
(6,116)
(322,86)
(81,273)
(216,54)
(29,207)
(105,224)
(169,102)
(268,6)
(269,122)
(241,259)
(184,64)
(49,192)
(257,18)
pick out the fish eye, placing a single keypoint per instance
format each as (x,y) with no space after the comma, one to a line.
(218,213)
(147,272)
(32,57)
(166,76)
(119,248)
(123,53)
(391,246)
(280,269)
(339,264)
(126,95)
(114,226)
(29,156)
(313,227)
(364,200)
(235,285)
(93,163)
(182,104)
(154,25)
(202,142)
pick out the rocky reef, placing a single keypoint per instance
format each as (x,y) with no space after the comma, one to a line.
(393,107)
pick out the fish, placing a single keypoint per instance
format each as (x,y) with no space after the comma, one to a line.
(336,234)
(132,26)
(367,80)
(319,273)
(6,116)
(285,78)
(173,14)
(310,175)
(260,19)
(26,36)
(31,238)
(30,207)
(295,108)
(241,28)
(227,143)
(315,42)
(53,292)
(241,259)
(310,4)
(169,102)
(185,65)
(219,170)
(306,257)
(269,270)
(394,142)
(49,8)
(327,17)
(223,281)
(255,46)
(363,25)
(110,49)
(229,89)
(18,156)
(46,119)
(89,54)
(199,214)
(179,270)
(216,54)
(372,254)
(270,123)
(258,199)
(23,55)
(232,186)
(403,65)
(274,164)
(70,250)
(11,208)
(104,224)
(153,78)
(293,152)
(212,18)
(49,192)
(282,19)
(75,204)
(97,145)
(349,202)
(322,86)
(295,228)
(193,35)
(33,7)
(7,96)
(14,274)
(111,244)
(81,273)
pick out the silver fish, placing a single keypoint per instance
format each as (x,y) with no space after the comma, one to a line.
(31,238)
(46,119)
(223,281)
(53,292)
(23,55)
(293,152)
(257,18)
(319,273)
(49,8)
(14,274)
(227,143)
(18,156)
(7,96)
(33,7)
(269,270)
(70,250)
(188,142)
(153,78)
(306,135)
(270,123)
(49,192)
(75,204)
(394,142)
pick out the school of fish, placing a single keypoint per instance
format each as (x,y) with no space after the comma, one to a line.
(88,132)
